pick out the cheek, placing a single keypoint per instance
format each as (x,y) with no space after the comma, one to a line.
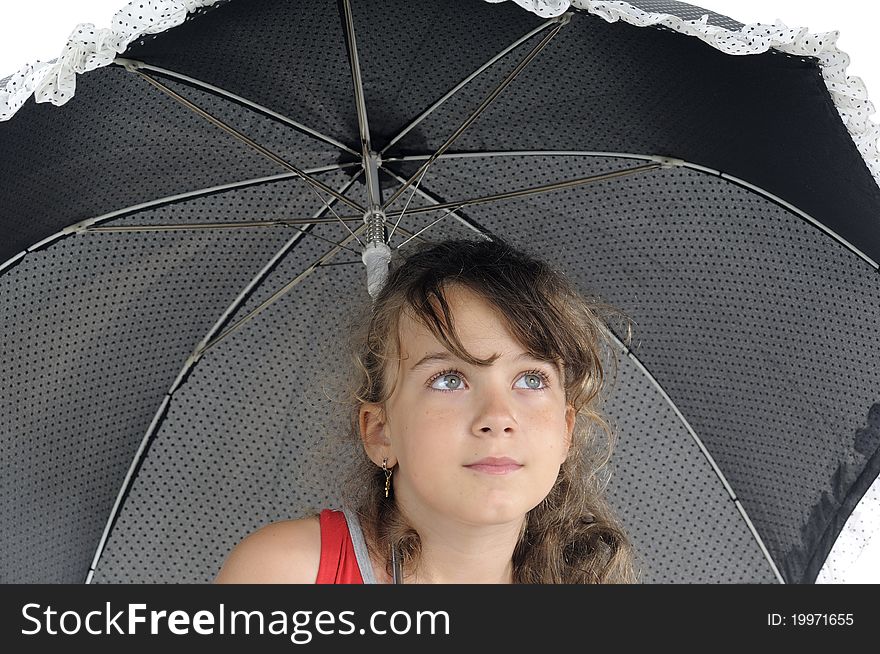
(554,427)
(422,436)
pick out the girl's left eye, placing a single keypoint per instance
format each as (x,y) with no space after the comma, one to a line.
(536,380)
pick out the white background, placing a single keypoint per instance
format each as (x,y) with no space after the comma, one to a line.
(38,30)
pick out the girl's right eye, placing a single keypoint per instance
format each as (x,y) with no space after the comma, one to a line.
(451,378)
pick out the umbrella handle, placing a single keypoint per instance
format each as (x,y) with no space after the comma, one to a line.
(376,257)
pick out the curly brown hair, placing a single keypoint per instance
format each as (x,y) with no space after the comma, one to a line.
(572,536)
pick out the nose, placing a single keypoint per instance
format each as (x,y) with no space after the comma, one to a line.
(495,413)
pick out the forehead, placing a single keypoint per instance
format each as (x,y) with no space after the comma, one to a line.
(474,319)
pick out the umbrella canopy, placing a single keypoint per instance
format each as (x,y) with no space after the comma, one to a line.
(183,238)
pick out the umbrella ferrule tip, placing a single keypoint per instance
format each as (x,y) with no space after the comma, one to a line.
(130,65)
(668,162)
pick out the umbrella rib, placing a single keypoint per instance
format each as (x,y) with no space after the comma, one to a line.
(425,228)
(207,344)
(555,186)
(327,240)
(134,65)
(629,353)
(467,222)
(85,225)
(340,263)
(530,153)
(402,211)
(561,22)
(412,235)
(807,217)
(275,222)
(314,183)
(197,354)
(465,82)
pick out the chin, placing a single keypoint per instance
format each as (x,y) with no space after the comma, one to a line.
(490,512)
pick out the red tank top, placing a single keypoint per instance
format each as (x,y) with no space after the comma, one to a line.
(338,562)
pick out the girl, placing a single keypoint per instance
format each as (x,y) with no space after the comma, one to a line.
(478,379)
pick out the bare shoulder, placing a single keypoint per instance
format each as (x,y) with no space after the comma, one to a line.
(283,552)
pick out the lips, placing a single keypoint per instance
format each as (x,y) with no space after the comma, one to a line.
(493,465)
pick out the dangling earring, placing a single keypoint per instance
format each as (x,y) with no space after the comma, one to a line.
(387,476)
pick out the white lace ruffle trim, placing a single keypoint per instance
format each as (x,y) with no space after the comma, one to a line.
(89,47)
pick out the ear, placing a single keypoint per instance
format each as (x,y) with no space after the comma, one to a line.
(374,434)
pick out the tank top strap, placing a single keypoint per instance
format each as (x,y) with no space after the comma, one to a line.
(338,564)
(360,546)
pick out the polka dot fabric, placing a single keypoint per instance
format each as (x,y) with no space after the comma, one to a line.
(169,151)
(245,441)
(849,94)
(686,528)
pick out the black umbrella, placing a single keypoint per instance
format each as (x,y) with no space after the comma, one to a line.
(184,236)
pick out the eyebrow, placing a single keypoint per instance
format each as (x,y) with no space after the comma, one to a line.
(434,357)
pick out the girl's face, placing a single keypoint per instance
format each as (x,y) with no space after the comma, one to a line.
(477,444)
